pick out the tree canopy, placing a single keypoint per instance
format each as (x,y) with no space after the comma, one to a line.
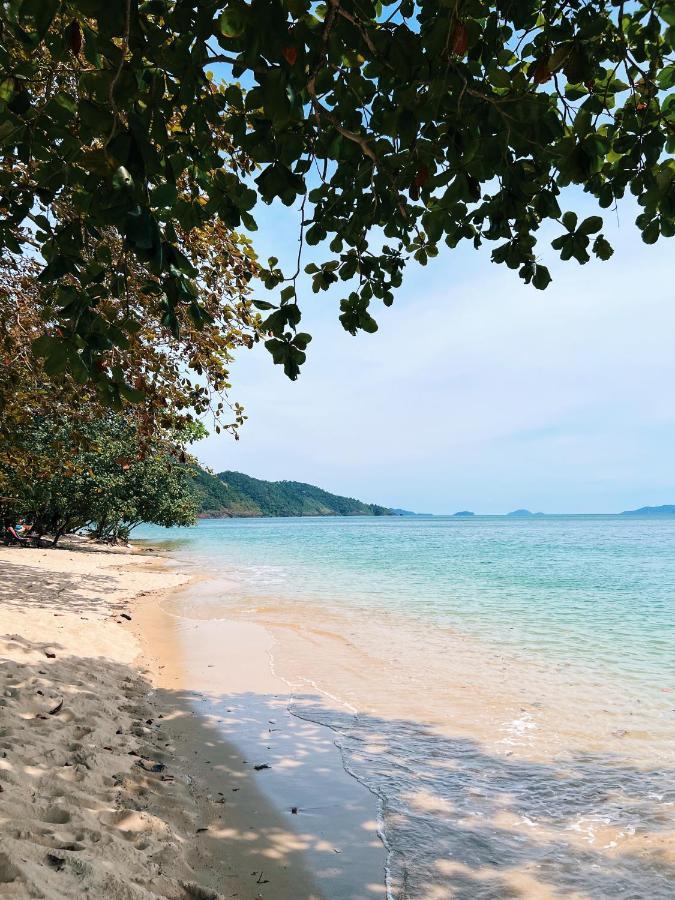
(393,126)
(109,478)
(170,378)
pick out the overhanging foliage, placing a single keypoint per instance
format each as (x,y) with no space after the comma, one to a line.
(397,126)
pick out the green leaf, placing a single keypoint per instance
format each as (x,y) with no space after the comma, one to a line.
(94,118)
(165,195)
(590,225)
(667,12)
(500,78)
(44,345)
(667,78)
(541,278)
(569,220)
(302,339)
(602,248)
(57,360)
(7,88)
(233,20)
(575,91)
(41,12)
(668,105)
(78,370)
(650,234)
(141,229)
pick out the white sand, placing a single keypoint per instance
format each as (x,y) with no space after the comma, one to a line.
(103,788)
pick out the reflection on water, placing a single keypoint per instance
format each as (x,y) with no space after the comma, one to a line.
(505,688)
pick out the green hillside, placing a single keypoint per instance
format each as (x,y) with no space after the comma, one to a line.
(232,494)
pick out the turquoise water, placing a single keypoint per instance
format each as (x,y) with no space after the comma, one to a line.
(533,756)
(596,590)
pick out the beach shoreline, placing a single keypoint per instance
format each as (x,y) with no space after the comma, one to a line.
(128,788)
(493,769)
(304,751)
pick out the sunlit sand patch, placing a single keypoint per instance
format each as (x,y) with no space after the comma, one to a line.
(133,821)
(514,883)
(426,801)
(78,815)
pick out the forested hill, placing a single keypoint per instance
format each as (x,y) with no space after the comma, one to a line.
(230,494)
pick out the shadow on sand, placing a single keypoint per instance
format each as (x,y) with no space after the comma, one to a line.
(459,822)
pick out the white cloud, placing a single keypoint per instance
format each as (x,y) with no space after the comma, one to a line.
(480,392)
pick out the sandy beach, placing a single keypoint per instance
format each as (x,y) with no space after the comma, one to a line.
(113,784)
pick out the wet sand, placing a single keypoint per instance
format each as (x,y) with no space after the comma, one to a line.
(497,776)
(256,748)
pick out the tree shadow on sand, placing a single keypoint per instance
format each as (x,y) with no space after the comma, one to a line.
(460,822)
(464,823)
(57,590)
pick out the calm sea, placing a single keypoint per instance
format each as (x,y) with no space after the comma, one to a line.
(507,685)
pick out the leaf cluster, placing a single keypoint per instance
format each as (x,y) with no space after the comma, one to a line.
(398,126)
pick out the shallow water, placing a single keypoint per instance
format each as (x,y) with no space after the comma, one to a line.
(505,687)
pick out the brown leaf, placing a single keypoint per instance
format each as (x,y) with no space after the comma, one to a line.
(422,176)
(542,72)
(459,39)
(290,54)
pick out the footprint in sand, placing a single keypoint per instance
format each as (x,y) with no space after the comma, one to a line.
(81,733)
(8,871)
(67,842)
(56,815)
(45,837)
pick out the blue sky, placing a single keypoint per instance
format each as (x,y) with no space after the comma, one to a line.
(477,392)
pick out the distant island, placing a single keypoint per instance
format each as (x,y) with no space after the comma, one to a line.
(233,494)
(464,513)
(523,513)
(666,510)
